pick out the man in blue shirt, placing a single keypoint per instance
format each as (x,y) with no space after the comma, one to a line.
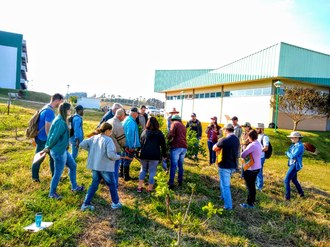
(46,118)
(131,130)
(77,131)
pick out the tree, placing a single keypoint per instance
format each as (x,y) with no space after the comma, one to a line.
(300,104)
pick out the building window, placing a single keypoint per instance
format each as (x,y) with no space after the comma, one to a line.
(202,95)
(207,95)
(196,96)
(218,94)
(212,95)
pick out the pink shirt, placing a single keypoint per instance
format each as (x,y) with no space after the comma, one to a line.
(255,149)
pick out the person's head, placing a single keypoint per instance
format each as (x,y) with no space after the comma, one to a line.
(193,116)
(214,120)
(152,124)
(115,107)
(173,112)
(228,128)
(134,112)
(234,120)
(295,136)
(252,135)
(105,129)
(247,126)
(56,100)
(120,114)
(176,118)
(79,110)
(260,128)
(64,110)
(143,109)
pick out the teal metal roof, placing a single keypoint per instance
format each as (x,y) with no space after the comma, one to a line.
(280,60)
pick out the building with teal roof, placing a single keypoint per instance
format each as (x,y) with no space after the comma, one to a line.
(245,87)
(13,61)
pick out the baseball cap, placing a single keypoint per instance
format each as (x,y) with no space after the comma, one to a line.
(193,115)
(134,109)
(214,118)
(247,124)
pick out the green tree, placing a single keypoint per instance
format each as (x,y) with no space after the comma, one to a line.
(300,104)
(73,100)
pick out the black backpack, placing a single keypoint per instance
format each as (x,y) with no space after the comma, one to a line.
(70,121)
(269,152)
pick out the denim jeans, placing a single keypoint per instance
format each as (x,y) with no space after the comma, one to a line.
(225,175)
(177,157)
(250,181)
(74,149)
(260,176)
(109,179)
(36,167)
(212,154)
(116,172)
(291,175)
(59,161)
(150,165)
(126,163)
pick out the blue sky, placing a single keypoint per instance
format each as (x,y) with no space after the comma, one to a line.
(114,47)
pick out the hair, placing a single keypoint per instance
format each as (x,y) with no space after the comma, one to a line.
(253,135)
(56,96)
(116,106)
(216,123)
(104,127)
(143,106)
(63,108)
(120,112)
(152,124)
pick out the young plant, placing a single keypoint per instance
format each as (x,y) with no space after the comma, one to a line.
(162,190)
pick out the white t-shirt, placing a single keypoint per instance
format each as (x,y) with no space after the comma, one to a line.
(265,142)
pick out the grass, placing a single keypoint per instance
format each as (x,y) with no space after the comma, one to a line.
(142,221)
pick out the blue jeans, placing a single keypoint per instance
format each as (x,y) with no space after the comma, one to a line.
(212,154)
(177,157)
(260,176)
(116,172)
(36,167)
(74,149)
(109,179)
(291,175)
(126,163)
(59,161)
(225,175)
(150,165)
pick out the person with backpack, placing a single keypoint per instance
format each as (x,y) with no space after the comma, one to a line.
(57,145)
(264,141)
(40,131)
(76,130)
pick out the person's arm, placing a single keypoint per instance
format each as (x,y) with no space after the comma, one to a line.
(47,127)
(111,151)
(120,136)
(85,144)
(249,149)
(265,142)
(49,117)
(55,135)
(163,145)
(199,129)
(218,146)
(295,152)
(187,125)
(129,133)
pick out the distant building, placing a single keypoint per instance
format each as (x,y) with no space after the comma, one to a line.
(245,87)
(13,61)
(92,103)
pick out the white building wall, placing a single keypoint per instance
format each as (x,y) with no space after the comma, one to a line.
(8,64)
(248,109)
(89,103)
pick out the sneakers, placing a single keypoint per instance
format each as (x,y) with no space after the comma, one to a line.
(139,190)
(116,205)
(78,188)
(36,180)
(86,207)
(245,205)
(55,196)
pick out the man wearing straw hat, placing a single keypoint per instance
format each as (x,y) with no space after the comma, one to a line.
(169,119)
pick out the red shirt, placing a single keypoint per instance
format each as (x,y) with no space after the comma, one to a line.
(177,135)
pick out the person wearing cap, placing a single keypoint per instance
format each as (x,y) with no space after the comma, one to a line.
(213,132)
(110,114)
(195,125)
(169,119)
(264,141)
(294,155)
(229,146)
(77,131)
(131,130)
(178,149)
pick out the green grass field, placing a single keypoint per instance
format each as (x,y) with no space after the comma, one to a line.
(142,221)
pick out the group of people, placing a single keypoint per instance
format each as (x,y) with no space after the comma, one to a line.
(119,139)
(250,145)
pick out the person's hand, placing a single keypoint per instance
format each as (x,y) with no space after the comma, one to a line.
(45,150)
(131,150)
(126,158)
(77,143)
